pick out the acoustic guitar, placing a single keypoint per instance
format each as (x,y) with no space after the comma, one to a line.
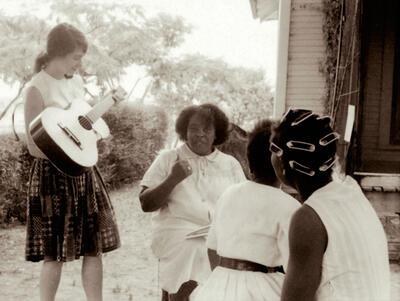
(68,137)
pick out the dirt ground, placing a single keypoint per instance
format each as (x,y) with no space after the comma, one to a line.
(130,273)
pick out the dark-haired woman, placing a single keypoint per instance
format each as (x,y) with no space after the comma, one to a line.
(338,248)
(250,232)
(181,188)
(68,217)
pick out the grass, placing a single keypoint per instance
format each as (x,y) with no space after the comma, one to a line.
(130,273)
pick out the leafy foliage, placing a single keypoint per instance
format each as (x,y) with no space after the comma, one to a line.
(15,163)
(243,92)
(138,133)
(236,146)
(119,36)
(331,30)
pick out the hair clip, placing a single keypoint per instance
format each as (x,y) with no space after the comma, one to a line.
(286,114)
(301,168)
(301,118)
(324,117)
(273,148)
(328,164)
(300,145)
(328,139)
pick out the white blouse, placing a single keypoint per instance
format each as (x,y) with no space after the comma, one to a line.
(192,202)
(252,223)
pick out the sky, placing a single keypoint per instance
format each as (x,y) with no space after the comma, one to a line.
(222,29)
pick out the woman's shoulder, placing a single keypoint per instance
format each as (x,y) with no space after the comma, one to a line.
(276,196)
(37,83)
(37,79)
(36,88)
(226,158)
(167,154)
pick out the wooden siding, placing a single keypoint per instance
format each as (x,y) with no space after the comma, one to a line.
(306,86)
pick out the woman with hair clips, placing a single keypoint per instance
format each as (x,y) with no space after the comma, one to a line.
(250,232)
(181,188)
(68,217)
(338,248)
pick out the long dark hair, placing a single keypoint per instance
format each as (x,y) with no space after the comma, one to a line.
(61,40)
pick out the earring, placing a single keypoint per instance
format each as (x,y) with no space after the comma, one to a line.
(283,172)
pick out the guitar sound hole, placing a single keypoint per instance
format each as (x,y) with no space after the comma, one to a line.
(85,122)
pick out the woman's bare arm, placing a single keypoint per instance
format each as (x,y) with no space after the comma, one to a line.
(34,105)
(307,243)
(152,199)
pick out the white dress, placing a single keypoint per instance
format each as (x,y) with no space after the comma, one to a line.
(251,223)
(191,205)
(355,265)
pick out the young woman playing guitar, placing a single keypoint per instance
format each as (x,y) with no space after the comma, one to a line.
(68,217)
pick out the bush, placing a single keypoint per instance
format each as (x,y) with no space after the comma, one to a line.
(138,133)
(236,146)
(15,163)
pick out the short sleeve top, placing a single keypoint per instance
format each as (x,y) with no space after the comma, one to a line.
(192,202)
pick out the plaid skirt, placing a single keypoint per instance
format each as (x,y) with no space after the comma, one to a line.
(68,217)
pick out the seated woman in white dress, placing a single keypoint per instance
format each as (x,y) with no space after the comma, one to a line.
(250,232)
(181,188)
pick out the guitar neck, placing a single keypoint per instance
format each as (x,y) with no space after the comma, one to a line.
(100,108)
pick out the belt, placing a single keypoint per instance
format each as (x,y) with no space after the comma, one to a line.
(244,265)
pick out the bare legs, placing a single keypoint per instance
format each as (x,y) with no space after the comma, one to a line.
(92,278)
(50,279)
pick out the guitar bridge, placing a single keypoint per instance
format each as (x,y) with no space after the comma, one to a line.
(71,135)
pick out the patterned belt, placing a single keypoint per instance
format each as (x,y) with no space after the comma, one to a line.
(244,265)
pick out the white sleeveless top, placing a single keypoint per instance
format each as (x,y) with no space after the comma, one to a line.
(55,93)
(355,265)
(251,222)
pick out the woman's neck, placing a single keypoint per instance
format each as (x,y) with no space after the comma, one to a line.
(53,70)
(201,155)
(266,181)
(307,188)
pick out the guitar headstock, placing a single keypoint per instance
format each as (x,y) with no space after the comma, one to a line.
(118,94)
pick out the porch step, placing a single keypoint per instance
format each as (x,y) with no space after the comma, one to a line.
(391,224)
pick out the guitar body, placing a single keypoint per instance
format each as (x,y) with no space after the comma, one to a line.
(66,139)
